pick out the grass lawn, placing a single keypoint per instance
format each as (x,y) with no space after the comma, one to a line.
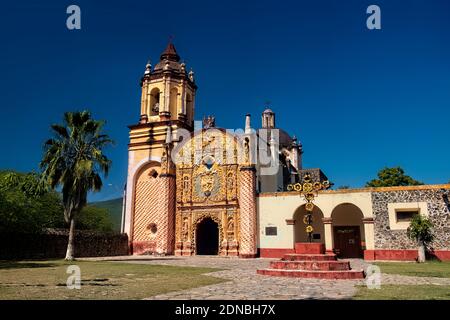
(99,280)
(404,292)
(426,269)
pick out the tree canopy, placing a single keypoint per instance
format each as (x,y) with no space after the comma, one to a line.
(23,209)
(391,177)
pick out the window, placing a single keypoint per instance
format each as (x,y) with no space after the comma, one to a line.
(405,216)
(401,213)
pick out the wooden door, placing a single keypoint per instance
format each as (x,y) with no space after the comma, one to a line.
(347,241)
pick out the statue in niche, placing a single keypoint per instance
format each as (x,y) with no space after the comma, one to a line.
(164,162)
(155,108)
(246,150)
(185,229)
(186,184)
(230,182)
(230,226)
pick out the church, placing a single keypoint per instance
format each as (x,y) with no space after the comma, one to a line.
(197,189)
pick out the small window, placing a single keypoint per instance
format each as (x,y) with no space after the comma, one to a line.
(405,216)
(271,231)
(316,236)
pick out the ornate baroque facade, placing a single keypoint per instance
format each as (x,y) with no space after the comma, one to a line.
(206,191)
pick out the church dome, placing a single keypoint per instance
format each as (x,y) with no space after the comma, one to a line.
(268,111)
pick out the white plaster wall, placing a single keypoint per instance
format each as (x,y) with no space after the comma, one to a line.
(274,209)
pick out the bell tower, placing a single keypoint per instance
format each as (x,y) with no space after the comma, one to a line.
(168,90)
(167,107)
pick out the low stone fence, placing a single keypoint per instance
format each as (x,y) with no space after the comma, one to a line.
(53,244)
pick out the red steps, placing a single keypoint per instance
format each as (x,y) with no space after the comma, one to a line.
(311,265)
(310,261)
(341,275)
(308,257)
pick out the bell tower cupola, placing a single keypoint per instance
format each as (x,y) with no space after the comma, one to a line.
(268,119)
(168,90)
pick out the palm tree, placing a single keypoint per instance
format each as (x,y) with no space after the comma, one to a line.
(421,230)
(73,160)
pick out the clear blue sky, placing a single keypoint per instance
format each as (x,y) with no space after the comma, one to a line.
(358,100)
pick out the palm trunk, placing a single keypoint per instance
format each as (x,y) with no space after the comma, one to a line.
(70,245)
(421,257)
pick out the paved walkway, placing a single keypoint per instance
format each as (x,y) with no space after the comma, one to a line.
(245,284)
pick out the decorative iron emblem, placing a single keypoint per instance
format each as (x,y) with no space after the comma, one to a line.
(309,190)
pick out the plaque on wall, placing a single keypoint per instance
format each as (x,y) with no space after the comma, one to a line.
(271,231)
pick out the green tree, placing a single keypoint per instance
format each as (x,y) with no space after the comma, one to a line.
(74,160)
(26,205)
(391,177)
(95,218)
(421,230)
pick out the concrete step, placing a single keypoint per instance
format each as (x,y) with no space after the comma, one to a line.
(311,265)
(317,274)
(309,257)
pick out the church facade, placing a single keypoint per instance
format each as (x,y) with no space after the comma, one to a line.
(196,189)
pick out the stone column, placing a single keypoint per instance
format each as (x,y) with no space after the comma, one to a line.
(164,111)
(166,227)
(247,201)
(328,234)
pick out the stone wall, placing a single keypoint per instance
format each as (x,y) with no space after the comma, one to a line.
(315,174)
(53,244)
(438,211)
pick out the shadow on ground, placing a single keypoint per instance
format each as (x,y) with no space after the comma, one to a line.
(25,264)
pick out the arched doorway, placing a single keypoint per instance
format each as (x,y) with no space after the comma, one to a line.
(207,237)
(348,231)
(300,234)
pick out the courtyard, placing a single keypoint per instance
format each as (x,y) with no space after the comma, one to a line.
(211,277)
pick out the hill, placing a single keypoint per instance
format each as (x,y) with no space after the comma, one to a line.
(114,207)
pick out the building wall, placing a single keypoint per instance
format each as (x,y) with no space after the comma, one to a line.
(341,207)
(278,209)
(392,242)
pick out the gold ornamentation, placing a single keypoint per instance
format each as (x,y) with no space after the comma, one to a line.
(185,229)
(309,206)
(230,228)
(231,184)
(207,174)
(307,187)
(309,190)
(186,188)
(209,183)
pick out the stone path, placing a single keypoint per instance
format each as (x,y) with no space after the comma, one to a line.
(244,284)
